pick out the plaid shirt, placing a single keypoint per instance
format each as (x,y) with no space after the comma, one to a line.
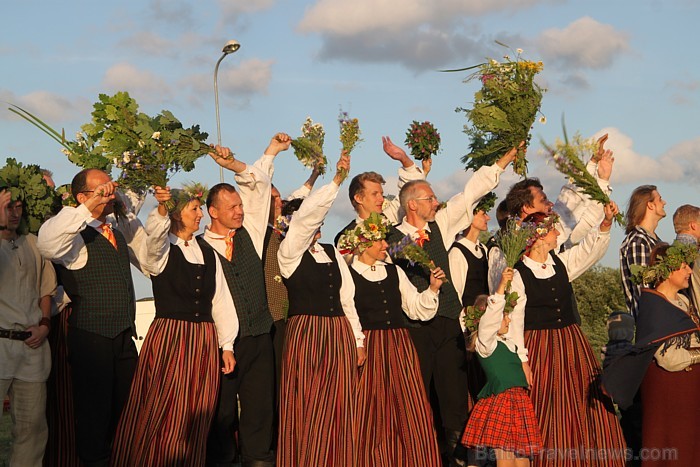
(636,249)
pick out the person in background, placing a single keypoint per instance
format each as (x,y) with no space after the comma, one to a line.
(686,223)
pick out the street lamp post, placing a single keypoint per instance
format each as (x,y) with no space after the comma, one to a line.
(229,48)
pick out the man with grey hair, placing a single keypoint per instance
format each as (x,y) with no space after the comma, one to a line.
(686,223)
(440,342)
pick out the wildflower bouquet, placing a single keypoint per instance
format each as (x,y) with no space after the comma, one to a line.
(504,110)
(512,241)
(309,146)
(423,139)
(148,150)
(349,134)
(569,157)
(83,152)
(410,250)
(26,183)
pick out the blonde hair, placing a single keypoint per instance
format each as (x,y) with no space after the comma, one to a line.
(683,216)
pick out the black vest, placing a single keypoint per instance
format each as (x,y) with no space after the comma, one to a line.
(379,303)
(246,281)
(314,288)
(450,307)
(550,302)
(184,290)
(477,281)
(101,292)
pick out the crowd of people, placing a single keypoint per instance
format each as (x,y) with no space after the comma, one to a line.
(270,348)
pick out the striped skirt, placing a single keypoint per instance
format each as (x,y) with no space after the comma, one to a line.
(60,447)
(504,421)
(317,391)
(173,396)
(577,422)
(394,424)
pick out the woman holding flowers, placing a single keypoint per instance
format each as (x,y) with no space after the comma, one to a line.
(665,361)
(394,423)
(324,340)
(173,395)
(574,417)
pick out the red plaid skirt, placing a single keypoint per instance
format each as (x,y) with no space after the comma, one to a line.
(504,421)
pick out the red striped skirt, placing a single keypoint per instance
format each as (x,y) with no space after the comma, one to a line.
(60,447)
(394,422)
(173,397)
(504,421)
(577,422)
(317,393)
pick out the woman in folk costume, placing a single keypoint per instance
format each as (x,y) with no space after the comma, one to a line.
(503,418)
(665,360)
(577,421)
(393,423)
(173,395)
(324,340)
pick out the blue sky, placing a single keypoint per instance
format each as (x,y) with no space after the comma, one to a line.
(616,67)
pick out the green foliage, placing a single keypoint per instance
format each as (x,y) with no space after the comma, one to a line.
(26,183)
(598,293)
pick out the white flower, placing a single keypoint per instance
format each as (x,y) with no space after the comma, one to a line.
(115,161)
(278,279)
(142,144)
(519,51)
(79,136)
(155,135)
(125,157)
(65,151)
(494,62)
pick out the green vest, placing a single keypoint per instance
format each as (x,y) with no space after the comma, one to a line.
(450,306)
(246,281)
(101,292)
(503,370)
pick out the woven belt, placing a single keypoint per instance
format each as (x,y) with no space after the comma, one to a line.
(15,335)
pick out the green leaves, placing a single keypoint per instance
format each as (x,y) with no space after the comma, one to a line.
(26,184)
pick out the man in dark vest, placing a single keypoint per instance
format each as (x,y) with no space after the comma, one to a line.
(439,342)
(238,239)
(367,193)
(93,265)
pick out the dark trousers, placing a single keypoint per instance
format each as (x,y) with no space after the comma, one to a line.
(442,356)
(252,383)
(278,331)
(101,370)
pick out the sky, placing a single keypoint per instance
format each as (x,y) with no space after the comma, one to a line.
(609,67)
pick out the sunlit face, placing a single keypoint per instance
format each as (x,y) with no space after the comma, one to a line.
(657,204)
(425,203)
(370,199)
(14,215)
(190,216)
(276,202)
(505,324)
(540,203)
(376,252)
(49,181)
(680,278)
(94,179)
(481,221)
(226,211)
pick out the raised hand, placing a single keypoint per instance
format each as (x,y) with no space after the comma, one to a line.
(395,152)
(280,142)
(5,198)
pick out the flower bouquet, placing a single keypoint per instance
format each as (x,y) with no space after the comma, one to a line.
(504,110)
(423,139)
(512,241)
(412,251)
(349,134)
(569,156)
(26,184)
(309,146)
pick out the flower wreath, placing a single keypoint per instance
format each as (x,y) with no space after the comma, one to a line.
(541,229)
(677,254)
(361,237)
(189,192)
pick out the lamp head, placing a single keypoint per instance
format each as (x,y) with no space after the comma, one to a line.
(231,47)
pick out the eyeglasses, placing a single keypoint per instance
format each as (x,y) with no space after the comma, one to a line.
(427,198)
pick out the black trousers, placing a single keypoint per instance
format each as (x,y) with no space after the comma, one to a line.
(101,371)
(252,383)
(442,355)
(278,331)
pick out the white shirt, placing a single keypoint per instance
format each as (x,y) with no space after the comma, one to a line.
(457,214)
(416,305)
(577,260)
(487,337)
(299,239)
(158,244)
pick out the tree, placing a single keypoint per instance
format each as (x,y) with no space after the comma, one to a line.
(598,293)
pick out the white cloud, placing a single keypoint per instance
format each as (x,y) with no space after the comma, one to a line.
(685,155)
(583,44)
(150,44)
(239,83)
(47,106)
(141,84)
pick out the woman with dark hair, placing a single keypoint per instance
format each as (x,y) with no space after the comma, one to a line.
(665,360)
(578,424)
(324,341)
(173,395)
